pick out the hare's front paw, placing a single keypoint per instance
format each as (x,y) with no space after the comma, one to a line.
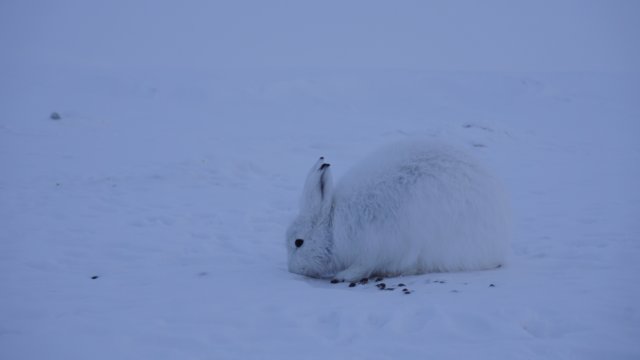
(353,273)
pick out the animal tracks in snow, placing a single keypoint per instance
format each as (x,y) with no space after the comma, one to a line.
(399,285)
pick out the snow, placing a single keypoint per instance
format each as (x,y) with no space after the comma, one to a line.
(185,134)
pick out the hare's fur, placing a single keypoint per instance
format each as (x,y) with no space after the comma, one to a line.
(410,208)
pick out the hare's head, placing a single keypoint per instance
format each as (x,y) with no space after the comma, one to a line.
(309,242)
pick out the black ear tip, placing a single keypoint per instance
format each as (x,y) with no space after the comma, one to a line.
(324,166)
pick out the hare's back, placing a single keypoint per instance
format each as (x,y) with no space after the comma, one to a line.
(406,167)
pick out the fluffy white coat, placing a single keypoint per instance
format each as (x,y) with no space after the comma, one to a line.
(409,208)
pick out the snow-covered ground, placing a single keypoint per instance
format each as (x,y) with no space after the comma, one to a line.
(148,221)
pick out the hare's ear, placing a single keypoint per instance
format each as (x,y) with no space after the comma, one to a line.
(318,188)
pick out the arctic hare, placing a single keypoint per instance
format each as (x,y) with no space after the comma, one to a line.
(410,208)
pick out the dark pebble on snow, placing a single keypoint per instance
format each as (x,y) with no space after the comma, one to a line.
(379,279)
(54,116)
(364,281)
(492,285)
(381,286)
(401,285)
(352,284)
(335,281)
(94,277)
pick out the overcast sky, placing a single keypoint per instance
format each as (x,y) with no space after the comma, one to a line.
(430,35)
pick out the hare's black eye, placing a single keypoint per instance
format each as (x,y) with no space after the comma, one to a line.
(299,242)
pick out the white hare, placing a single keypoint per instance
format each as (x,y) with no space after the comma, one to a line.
(410,208)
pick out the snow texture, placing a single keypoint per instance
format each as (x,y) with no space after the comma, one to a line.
(146,220)
(412,207)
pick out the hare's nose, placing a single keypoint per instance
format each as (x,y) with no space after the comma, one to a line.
(299,242)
